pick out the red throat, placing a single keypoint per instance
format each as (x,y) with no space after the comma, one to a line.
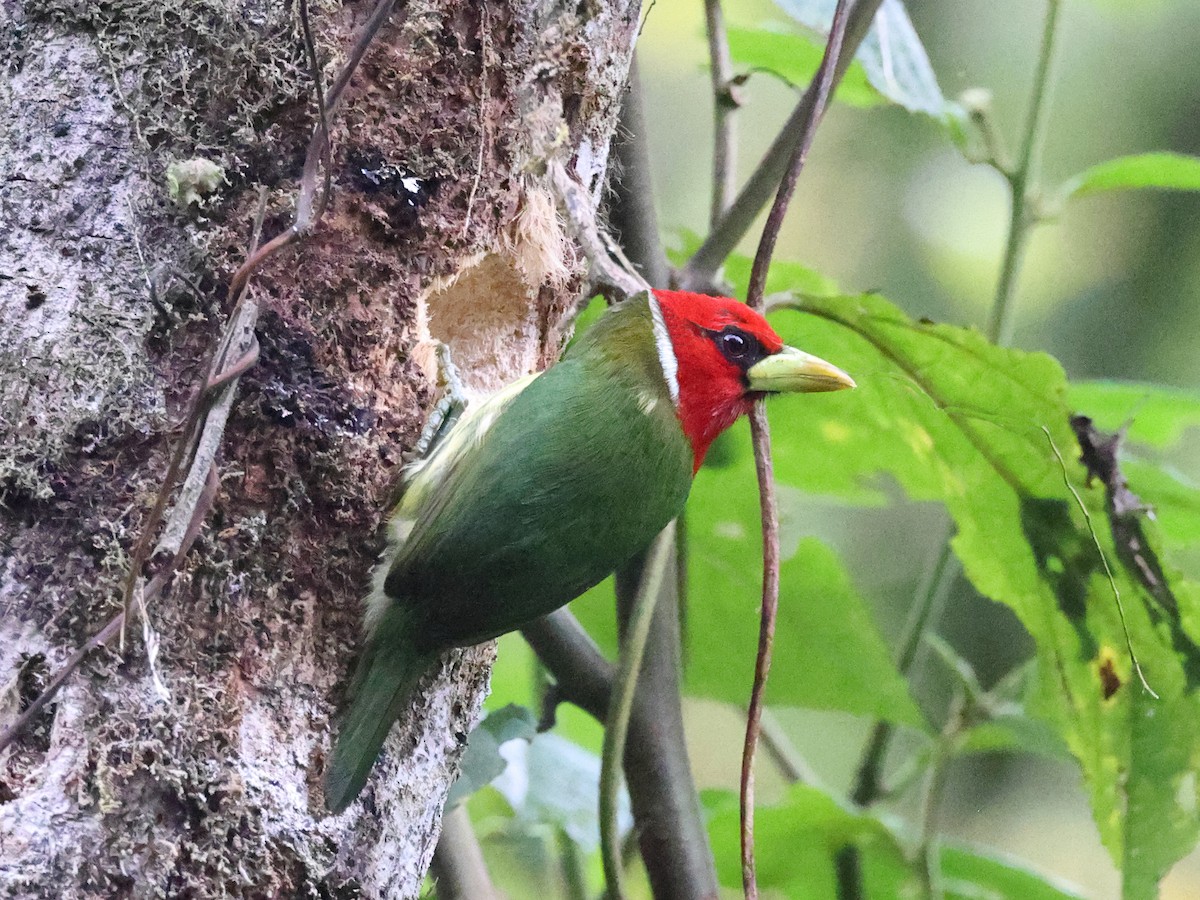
(712,390)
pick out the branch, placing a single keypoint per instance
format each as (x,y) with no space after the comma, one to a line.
(608,267)
(702,267)
(666,809)
(670,829)
(582,674)
(725,104)
(633,217)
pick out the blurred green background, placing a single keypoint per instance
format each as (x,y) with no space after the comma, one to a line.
(887,203)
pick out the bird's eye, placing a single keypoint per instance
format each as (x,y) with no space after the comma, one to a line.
(735,345)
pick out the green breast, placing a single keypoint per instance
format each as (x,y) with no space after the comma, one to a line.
(576,476)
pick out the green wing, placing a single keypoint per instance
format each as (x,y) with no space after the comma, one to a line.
(576,473)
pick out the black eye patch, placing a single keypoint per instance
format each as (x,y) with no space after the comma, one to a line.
(739,347)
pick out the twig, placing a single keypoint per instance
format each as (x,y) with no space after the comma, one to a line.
(703,266)
(221,370)
(725,104)
(795,768)
(241,346)
(310,205)
(609,266)
(670,828)
(583,675)
(458,868)
(633,647)
(99,639)
(111,628)
(928,851)
(927,609)
(761,436)
(324,136)
(681,587)
(484,50)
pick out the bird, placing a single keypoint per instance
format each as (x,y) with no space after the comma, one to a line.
(547,487)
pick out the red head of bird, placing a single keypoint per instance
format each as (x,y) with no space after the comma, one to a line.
(722,357)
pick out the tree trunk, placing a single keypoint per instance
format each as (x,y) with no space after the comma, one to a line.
(112,296)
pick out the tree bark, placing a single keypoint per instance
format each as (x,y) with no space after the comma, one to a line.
(111,299)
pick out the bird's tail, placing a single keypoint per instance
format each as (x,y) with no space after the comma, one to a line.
(388,672)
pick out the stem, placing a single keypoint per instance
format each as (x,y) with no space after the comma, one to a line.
(725,104)
(761,435)
(1023,215)
(458,869)
(760,431)
(756,193)
(616,729)
(681,588)
(929,850)
(791,762)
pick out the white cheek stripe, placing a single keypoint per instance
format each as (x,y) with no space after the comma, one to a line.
(666,353)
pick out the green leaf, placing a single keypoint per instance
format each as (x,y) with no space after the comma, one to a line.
(1014,732)
(953,418)
(1157,415)
(974,872)
(482,762)
(1162,171)
(828,652)
(784,276)
(794,58)
(796,842)
(798,839)
(896,63)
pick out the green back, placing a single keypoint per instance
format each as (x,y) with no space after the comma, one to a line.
(577,474)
